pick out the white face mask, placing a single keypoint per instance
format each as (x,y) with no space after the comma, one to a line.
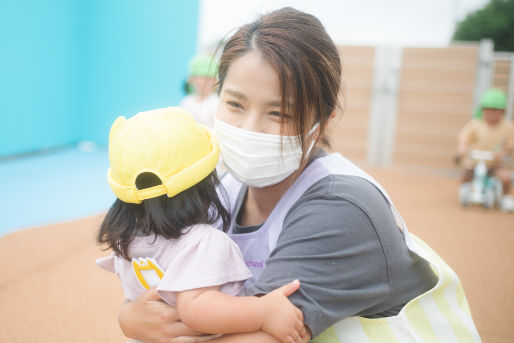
(258,159)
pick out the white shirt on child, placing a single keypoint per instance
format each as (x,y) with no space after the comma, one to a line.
(202,257)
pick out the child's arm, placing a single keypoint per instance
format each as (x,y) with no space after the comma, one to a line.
(208,310)
(466,135)
(508,144)
(253,337)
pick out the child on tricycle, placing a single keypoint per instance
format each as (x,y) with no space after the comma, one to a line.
(489,132)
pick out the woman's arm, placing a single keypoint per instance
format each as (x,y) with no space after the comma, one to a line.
(151,320)
(254,337)
(208,310)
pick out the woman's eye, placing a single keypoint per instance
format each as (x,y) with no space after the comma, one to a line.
(234,104)
(280,115)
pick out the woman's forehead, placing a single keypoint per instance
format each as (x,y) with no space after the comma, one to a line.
(252,76)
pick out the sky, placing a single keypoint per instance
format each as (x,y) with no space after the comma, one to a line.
(428,23)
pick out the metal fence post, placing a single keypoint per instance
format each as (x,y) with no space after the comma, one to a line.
(383,109)
(485,68)
(510,90)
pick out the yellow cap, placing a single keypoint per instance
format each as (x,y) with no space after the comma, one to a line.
(166,142)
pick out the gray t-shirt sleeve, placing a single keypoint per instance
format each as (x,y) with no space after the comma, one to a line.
(331,243)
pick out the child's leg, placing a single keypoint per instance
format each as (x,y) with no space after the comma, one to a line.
(503,174)
(507,201)
(467,175)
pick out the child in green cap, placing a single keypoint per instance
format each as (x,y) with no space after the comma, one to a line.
(489,131)
(202,101)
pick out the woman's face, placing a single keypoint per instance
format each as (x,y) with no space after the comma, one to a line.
(250,97)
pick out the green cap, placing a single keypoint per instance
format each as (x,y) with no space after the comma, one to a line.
(493,98)
(203,65)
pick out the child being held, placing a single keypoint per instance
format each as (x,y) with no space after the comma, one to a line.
(489,131)
(162,170)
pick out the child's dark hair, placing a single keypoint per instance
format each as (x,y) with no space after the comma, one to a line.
(164,216)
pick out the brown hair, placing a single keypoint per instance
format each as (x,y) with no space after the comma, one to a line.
(305,58)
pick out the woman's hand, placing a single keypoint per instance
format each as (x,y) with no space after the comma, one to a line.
(151,320)
(283,320)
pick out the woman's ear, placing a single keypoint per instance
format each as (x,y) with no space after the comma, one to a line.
(334,117)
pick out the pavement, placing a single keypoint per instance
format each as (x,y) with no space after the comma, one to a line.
(52,291)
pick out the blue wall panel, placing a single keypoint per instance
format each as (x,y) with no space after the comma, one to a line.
(38,65)
(136,57)
(69,67)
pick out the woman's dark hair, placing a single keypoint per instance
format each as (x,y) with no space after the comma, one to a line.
(305,59)
(162,215)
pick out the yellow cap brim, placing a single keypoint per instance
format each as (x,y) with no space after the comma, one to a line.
(174,184)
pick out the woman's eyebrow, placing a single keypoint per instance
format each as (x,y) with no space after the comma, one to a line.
(235,93)
(273,103)
(239,95)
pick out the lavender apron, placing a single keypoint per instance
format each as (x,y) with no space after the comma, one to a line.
(438,315)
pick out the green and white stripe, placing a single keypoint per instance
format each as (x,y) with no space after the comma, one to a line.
(439,315)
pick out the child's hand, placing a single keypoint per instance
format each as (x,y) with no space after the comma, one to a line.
(499,156)
(282,319)
(462,150)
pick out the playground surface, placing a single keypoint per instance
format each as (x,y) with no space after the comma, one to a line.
(52,291)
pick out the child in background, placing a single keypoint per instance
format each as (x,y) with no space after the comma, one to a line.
(202,101)
(162,170)
(489,131)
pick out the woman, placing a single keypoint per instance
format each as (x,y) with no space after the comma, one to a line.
(301,214)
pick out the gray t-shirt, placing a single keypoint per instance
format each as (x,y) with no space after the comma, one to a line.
(341,241)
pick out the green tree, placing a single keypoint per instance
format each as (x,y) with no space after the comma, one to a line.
(495,21)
